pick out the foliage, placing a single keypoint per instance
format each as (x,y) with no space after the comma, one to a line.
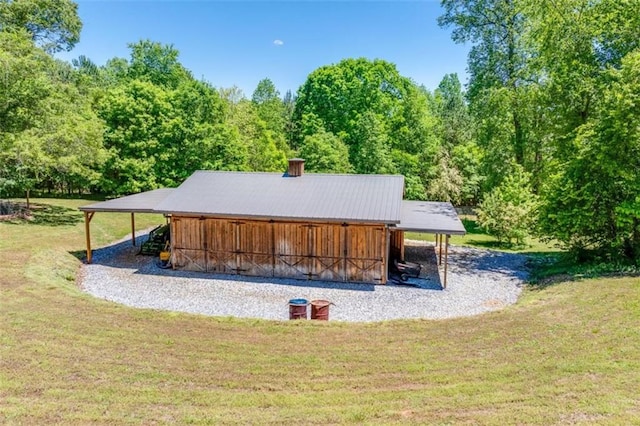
(457,177)
(500,84)
(594,201)
(325,153)
(52,25)
(508,211)
(552,90)
(50,135)
(373,109)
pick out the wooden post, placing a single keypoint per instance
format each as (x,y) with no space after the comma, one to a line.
(133,229)
(440,255)
(446,261)
(87,231)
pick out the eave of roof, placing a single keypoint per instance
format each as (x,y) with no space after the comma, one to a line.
(430,217)
(144,202)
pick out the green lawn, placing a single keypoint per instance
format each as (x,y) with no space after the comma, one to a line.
(477,237)
(566,353)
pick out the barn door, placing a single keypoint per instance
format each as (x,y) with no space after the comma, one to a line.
(292,250)
(254,248)
(326,253)
(365,247)
(187,239)
(221,256)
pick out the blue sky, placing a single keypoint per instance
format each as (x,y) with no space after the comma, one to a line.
(241,42)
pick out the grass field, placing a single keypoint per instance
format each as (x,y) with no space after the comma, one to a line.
(567,353)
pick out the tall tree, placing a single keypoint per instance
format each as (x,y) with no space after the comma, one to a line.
(500,80)
(271,110)
(380,115)
(458,176)
(594,200)
(263,152)
(157,63)
(325,153)
(49,132)
(52,25)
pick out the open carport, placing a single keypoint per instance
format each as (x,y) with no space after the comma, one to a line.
(429,217)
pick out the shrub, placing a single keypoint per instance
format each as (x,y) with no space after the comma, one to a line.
(508,211)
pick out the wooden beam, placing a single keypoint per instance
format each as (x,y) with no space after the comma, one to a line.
(440,255)
(133,229)
(87,231)
(446,261)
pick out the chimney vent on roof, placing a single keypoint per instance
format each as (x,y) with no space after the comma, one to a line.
(296,167)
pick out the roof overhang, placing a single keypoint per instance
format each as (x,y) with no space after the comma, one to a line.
(144,202)
(430,217)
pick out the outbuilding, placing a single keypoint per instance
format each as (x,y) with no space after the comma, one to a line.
(299,225)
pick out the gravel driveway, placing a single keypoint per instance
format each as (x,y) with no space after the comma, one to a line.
(478,281)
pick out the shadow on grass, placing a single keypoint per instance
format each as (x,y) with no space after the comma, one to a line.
(472,226)
(496,245)
(549,269)
(46,215)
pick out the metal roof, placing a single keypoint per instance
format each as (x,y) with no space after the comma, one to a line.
(431,217)
(144,202)
(330,197)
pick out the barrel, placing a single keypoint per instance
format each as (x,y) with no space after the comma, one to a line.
(320,310)
(298,309)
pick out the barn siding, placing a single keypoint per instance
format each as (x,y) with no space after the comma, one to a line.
(318,251)
(397,245)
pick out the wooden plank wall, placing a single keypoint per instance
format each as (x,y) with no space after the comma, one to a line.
(318,251)
(397,245)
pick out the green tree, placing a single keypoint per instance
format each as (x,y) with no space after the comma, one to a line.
(508,212)
(271,110)
(263,153)
(594,200)
(49,132)
(157,63)
(500,82)
(52,25)
(458,177)
(379,114)
(325,153)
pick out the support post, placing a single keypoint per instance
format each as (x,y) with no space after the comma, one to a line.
(440,255)
(133,229)
(87,231)
(446,260)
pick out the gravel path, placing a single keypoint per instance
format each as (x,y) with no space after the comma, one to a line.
(478,281)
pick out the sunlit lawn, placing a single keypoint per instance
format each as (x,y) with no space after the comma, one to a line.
(477,237)
(566,353)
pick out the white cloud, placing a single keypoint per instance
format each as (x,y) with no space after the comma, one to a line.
(278,42)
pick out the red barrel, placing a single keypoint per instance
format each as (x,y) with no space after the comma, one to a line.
(298,309)
(320,310)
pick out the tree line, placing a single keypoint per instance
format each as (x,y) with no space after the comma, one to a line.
(544,137)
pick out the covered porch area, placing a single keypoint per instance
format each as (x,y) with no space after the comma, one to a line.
(144,202)
(428,217)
